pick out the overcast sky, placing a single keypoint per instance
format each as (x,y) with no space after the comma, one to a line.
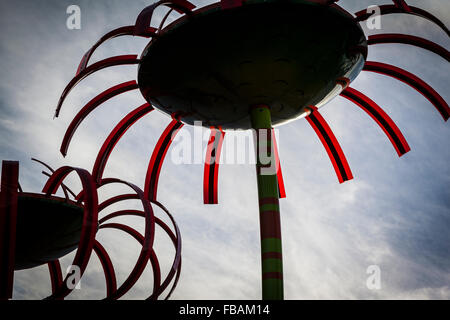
(395,214)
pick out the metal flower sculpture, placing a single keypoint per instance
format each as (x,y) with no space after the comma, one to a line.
(226,66)
(39,229)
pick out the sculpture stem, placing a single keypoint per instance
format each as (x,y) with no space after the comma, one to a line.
(269,209)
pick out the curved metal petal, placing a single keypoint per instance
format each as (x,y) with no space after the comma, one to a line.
(110,62)
(176,240)
(281,189)
(402,4)
(382,119)
(108,269)
(413,81)
(114,137)
(331,145)
(122,31)
(157,159)
(90,218)
(176,266)
(145,17)
(64,187)
(54,267)
(145,255)
(111,201)
(211,171)
(411,40)
(88,108)
(146,241)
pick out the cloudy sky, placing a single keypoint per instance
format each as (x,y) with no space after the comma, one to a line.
(395,214)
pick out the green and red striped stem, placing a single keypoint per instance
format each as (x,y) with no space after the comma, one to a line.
(269,209)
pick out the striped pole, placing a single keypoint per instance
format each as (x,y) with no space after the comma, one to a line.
(269,209)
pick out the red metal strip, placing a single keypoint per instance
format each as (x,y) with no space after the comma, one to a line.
(8,221)
(122,31)
(392,9)
(281,189)
(66,195)
(382,119)
(413,81)
(176,240)
(90,218)
(157,159)
(134,276)
(108,269)
(145,255)
(110,62)
(402,4)
(121,213)
(175,283)
(176,266)
(331,145)
(163,21)
(144,19)
(114,137)
(54,268)
(146,242)
(211,171)
(88,108)
(64,187)
(411,40)
(116,199)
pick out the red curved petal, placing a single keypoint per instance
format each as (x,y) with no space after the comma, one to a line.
(145,255)
(116,199)
(114,137)
(122,31)
(211,171)
(176,240)
(90,218)
(110,62)
(145,17)
(146,241)
(281,189)
(121,213)
(382,119)
(413,81)
(108,269)
(88,108)
(402,4)
(63,186)
(411,40)
(157,159)
(176,266)
(54,267)
(331,145)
